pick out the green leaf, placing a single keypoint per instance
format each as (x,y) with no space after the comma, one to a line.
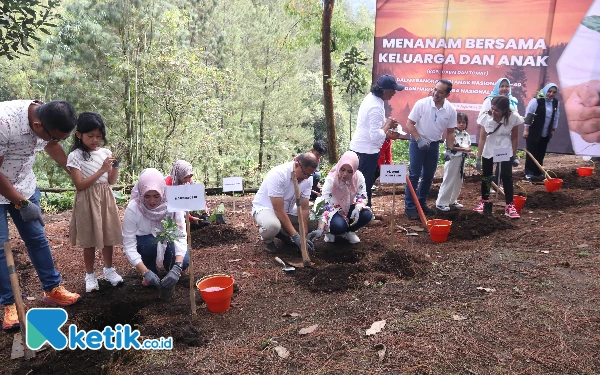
(591,22)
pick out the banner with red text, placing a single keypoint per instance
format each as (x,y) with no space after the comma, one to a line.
(474,43)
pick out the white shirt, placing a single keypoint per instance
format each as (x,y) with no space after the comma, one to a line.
(278,184)
(462,139)
(91,166)
(431,122)
(135,224)
(368,136)
(18,145)
(501,138)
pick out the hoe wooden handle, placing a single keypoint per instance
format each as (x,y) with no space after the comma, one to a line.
(305,257)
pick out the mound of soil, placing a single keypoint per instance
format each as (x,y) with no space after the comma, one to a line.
(468,225)
(339,254)
(549,201)
(333,278)
(215,234)
(571,180)
(402,263)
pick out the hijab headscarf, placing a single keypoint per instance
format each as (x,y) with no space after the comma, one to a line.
(548,87)
(151,179)
(344,192)
(496,91)
(181,169)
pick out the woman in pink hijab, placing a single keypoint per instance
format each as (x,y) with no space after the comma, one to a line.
(345,197)
(143,217)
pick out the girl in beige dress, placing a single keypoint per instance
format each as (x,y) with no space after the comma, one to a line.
(95,221)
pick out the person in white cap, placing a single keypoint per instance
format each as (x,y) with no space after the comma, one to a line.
(373,128)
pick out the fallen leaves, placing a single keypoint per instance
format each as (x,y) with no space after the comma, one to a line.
(282,352)
(307,330)
(376,327)
(487,290)
(459,317)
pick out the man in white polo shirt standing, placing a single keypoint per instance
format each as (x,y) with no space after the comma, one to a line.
(274,206)
(429,120)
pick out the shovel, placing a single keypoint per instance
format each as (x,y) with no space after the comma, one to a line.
(407,232)
(538,164)
(285,268)
(19,348)
(417,204)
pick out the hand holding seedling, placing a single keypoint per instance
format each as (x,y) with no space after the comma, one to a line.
(107,164)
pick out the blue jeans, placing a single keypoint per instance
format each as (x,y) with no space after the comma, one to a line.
(37,247)
(367,165)
(148,250)
(339,226)
(423,164)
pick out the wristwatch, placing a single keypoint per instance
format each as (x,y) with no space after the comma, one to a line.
(22,204)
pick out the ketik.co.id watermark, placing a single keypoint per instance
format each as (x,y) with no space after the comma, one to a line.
(43,326)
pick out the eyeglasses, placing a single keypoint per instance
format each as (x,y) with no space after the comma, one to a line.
(53,138)
(302,169)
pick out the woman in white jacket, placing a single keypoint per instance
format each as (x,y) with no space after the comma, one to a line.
(143,216)
(345,197)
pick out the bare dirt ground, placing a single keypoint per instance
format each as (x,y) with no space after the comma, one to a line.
(499,297)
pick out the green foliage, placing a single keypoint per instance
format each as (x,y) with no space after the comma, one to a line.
(20,21)
(120,197)
(317,210)
(219,211)
(57,202)
(169,232)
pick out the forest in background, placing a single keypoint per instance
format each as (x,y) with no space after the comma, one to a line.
(234,87)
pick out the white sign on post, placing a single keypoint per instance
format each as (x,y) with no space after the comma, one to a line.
(232,184)
(473,138)
(502,154)
(185,198)
(393,174)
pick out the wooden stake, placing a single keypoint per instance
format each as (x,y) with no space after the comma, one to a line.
(191,269)
(393,227)
(303,250)
(16,289)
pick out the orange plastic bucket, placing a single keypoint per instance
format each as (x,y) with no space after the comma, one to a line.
(439,229)
(553,184)
(216,291)
(585,171)
(519,202)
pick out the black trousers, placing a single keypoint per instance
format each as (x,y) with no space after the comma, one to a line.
(538,150)
(487,169)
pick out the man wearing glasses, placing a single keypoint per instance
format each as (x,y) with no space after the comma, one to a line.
(427,122)
(27,128)
(274,205)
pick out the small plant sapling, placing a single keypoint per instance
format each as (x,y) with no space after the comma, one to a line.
(169,232)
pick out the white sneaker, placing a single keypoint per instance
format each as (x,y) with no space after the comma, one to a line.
(112,276)
(442,208)
(457,205)
(329,237)
(351,237)
(91,282)
(492,191)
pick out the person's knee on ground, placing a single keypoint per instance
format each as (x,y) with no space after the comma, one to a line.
(338,225)
(364,218)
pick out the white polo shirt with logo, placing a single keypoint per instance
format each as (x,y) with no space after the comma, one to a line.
(278,184)
(431,122)
(18,146)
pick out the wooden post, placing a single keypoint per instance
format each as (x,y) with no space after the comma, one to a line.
(393,227)
(303,250)
(191,269)
(14,282)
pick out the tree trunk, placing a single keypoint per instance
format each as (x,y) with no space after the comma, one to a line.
(261,135)
(332,151)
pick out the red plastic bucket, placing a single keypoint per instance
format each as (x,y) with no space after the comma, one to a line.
(519,202)
(216,291)
(553,184)
(439,229)
(585,171)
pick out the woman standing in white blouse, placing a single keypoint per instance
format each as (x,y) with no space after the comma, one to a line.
(499,130)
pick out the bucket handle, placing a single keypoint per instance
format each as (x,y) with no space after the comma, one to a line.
(522,188)
(207,276)
(555,175)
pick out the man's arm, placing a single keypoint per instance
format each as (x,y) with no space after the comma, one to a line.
(7,189)
(450,137)
(278,208)
(412,129)
(56,152)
